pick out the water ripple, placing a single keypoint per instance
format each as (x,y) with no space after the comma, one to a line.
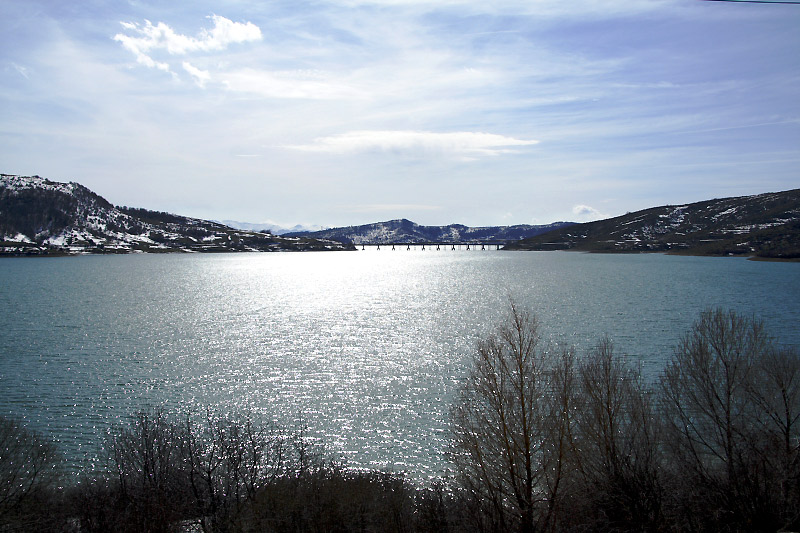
(365,349)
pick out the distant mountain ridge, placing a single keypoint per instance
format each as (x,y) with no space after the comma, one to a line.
(763,225)
(43,217)
(275,229)
(406,231)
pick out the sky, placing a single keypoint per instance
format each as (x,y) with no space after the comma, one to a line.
(346,112)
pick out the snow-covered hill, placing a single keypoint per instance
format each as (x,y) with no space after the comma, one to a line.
(405,231)
(39,216)
(764,225)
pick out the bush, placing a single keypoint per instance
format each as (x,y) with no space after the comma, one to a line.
(29,475)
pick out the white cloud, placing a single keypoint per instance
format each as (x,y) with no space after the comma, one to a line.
(397,208)
(540,8)
(201,77)
(131,44)
(289,84)
(463,144)
(142,39)
(23,71)
(226,32)
(585,213)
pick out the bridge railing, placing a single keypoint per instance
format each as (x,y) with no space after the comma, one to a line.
(472,245)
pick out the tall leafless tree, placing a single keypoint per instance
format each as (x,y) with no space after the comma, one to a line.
(617,445)
(775,443)
(511,427)
(712,419)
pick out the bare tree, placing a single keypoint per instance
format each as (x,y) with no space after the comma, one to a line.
(29,468)
(152,475)
(616,445)
(775,392)
(511,427)
(711,417)
(229,462)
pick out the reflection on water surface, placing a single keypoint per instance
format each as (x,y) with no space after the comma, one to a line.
(363,348)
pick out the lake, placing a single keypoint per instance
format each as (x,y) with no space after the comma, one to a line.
(364,349)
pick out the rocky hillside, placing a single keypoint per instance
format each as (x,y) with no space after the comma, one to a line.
(764,225)
(405,231)
(43,217)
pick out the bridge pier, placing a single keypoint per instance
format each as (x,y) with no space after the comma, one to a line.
(438,245)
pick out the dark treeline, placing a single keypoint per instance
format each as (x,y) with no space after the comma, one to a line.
(542,441)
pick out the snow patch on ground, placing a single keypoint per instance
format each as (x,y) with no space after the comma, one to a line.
(725,213)
(19,237)
(19,183)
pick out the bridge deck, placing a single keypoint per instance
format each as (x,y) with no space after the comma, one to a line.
(434,245)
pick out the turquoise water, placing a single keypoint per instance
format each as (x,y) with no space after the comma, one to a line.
(365,349)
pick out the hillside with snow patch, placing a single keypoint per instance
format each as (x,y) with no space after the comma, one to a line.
(405,231)
(43,217)
(763,225)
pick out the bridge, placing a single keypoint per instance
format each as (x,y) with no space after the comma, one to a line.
(433,245)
